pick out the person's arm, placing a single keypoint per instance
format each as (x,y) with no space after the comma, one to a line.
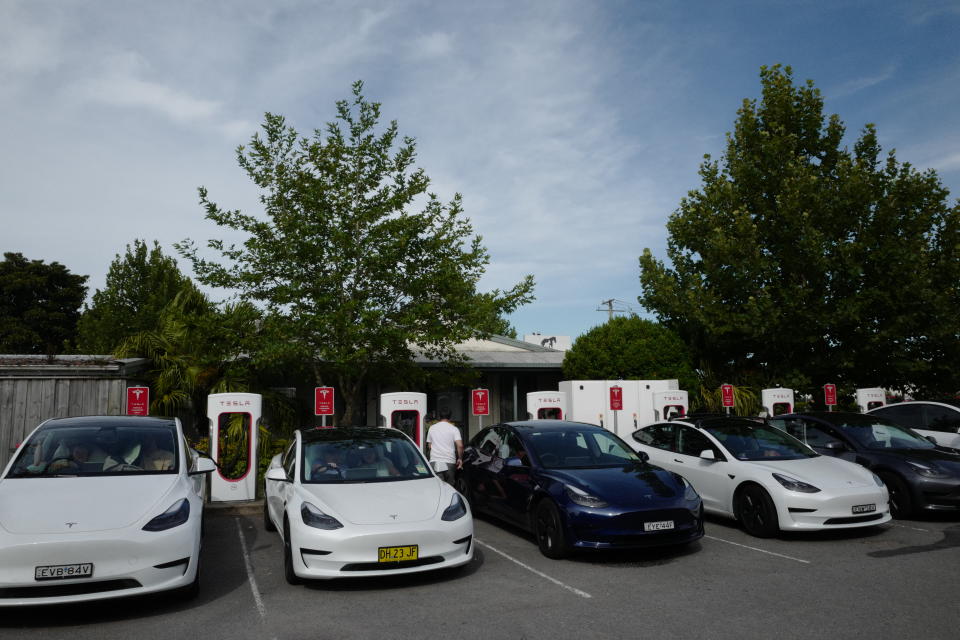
(459,445)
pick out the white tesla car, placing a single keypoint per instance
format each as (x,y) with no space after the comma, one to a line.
(352,502)
(101,507)
(763,477)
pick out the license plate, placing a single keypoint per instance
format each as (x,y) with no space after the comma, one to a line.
(396,554)
(63,571)
(658,526)
(864,508)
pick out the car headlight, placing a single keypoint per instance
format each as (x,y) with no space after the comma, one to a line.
(583,498)
(878,480)
(792,484)
(175,516)
(456,510)
(313,517)
(928,471)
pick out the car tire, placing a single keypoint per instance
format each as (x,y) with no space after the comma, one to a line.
(901,502)
(288,572)
(267,522)
(756,512)
(548,528)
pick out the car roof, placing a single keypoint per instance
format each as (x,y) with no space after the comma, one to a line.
(831,417)
(110,421)
(559,426)
(716,421)
(330,434)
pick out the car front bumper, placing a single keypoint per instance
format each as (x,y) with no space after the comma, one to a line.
(589,528)
(833,509)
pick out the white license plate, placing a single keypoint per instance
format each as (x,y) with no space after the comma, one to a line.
(864,508)
(64,571)
(658,526)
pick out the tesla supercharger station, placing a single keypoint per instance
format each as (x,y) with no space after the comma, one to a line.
(546,405)
(777,401)
(234,422)
(670,404)
(405,410)
(871,398)
(589,401)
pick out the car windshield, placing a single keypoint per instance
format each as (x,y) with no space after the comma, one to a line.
(59,451)
(874,432)
(756,441)
(571,449)
(359,459)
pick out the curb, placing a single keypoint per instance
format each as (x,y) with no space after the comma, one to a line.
(239,508)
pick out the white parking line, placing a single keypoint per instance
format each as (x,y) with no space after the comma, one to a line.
(771,553)
(582,594)
(903,526)
(253,581)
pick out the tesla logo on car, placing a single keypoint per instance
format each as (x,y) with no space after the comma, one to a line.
(70,524)
(393,515)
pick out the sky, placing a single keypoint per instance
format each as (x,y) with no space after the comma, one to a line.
(571,129)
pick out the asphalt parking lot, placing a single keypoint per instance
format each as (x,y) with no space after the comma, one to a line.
(893,581)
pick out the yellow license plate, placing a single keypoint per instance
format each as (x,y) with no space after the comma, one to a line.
(396,554)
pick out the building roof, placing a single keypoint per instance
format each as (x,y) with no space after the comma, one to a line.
(500,352)
(70,366)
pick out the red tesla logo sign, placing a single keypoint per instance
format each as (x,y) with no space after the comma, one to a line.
(616,399)
(481,402)
(830,394)
(323,401)
(138,401)
(726,391)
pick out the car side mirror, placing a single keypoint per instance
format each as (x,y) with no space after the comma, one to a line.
(708,454)
(836,446)
(514,461)
(204,465)
(277,473)
(931,439)
(643,455)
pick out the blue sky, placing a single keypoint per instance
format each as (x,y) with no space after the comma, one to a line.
(572,129)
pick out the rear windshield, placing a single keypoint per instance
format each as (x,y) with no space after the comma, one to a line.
(362,460)
(70,451)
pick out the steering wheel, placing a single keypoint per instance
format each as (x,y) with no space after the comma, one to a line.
(549,459)
(123,466)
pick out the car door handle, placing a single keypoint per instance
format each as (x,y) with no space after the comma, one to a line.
(676,460)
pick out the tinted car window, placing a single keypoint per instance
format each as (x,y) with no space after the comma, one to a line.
(658,435)
(756,441)
(692,442)
(593,448)
(907,415)
(488,442)
(807,432)
(944,419)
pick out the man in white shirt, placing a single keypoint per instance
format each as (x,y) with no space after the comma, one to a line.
(445,447)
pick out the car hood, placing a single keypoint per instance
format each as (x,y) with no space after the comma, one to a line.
(823,472)
(939,457)
(380,502)
(49,505)
(637,486)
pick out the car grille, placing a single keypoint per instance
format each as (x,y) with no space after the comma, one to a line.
(854,519)
(55,590)
(388,566)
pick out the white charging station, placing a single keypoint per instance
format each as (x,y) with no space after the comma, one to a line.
(871,398)
(670,404)
(234,422)
(405,410)
(777,401)
(546,405)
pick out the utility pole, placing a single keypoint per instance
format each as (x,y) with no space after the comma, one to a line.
(609,304)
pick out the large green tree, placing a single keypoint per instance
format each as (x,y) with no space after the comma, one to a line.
(39,306)
(356,264)
(800,261)
(139,285)
(630,348)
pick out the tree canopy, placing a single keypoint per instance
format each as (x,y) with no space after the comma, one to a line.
(39,306)
(800,261)
(630,348)
(352,276)
(139,285)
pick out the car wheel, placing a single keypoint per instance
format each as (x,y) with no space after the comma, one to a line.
(549,530)
(901,503)
(267,522)
(756,512)
(288,572)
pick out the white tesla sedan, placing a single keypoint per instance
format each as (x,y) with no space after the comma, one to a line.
(101,507)
(763,477)
(352,502)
